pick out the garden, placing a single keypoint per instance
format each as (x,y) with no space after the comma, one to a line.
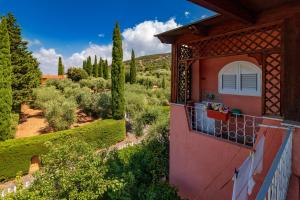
(94,108)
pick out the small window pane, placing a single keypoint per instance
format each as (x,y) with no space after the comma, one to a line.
(249,82)
(229,81)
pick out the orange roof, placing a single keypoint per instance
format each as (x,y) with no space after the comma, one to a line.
(53,76)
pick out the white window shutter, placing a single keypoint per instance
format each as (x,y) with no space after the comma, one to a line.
(249,82)
(229,82)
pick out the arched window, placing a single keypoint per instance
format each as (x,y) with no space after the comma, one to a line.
(240,78)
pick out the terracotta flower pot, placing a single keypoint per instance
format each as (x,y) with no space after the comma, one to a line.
(218,115)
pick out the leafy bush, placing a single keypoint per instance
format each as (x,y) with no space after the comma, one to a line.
(14,124)
(101,104)
(61,84)
(86,180)
(95,84)
(135,103)
(77,74)
(147,81)
(44,94)
(60,113)
(16,153)
(147,117)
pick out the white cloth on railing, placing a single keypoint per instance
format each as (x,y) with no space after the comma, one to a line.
(240,187)
(257,163)
(243,179)
(259,155)
(251,182)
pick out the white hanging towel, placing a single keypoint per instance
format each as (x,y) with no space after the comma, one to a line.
(240,187)
(259,156)
(251,182)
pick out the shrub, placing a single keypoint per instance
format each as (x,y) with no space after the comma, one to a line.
(101,104)
(16,153)
(77,74)
(147,117)
(135,103)
(147,81)
(61,84)
(44,94)
(72,92)
(85,101)
(14,124)
(60,113)
(95,84)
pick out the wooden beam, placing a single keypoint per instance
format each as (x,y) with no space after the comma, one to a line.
(229,8)
(291,63)
(198,30)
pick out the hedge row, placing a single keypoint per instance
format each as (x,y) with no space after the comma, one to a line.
(15,154)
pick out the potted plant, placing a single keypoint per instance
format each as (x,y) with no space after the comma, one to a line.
(218,111)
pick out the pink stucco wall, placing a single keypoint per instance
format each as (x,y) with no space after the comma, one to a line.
(205,77)
(201,167)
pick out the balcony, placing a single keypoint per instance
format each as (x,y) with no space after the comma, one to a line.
(240,128)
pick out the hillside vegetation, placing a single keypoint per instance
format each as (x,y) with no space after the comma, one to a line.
(16,153)
(151,63)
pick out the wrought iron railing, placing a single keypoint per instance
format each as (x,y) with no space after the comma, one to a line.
(275,185)
(240,128)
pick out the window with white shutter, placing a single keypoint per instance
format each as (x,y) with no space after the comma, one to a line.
(229,81)
(240,78)
(249,82)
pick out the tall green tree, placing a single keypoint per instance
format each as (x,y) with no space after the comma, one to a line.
(26,73)
(61,69)
(100,67)
(105,70)
(132,68)
(89,66)
(95,67)
(84,65)
(5,82)
(117,76)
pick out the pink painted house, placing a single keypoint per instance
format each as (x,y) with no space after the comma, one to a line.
(246,58)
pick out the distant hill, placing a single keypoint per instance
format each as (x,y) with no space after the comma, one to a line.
(151,63)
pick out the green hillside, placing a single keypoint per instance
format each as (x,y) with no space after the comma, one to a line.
(151,63)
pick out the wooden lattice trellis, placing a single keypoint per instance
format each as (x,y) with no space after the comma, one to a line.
(257,40)
(246,41)
(272,71)
(184,75)
(184,83)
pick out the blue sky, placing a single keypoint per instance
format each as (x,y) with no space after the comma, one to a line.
(74,29)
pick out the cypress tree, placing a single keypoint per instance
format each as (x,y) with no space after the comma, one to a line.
(84,65)
(5,82)
(132,68)
(61,69)
(105,70)
(26,74)
(100,67)
(89,67)
(95,68)
(117,76)
(163,83)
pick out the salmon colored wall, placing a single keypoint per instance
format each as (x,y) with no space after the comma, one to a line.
(196,92)
(209,70)
(296,152)
(201,167)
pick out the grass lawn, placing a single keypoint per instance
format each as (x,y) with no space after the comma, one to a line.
(15,154)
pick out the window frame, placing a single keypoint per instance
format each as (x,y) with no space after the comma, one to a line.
(236,68)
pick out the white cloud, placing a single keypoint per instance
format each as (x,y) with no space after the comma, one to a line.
(34,42)
(203,16)
(101,35)
(48,59)
(187,14)
(140,38)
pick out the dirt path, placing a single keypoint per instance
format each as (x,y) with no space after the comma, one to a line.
(32,123)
